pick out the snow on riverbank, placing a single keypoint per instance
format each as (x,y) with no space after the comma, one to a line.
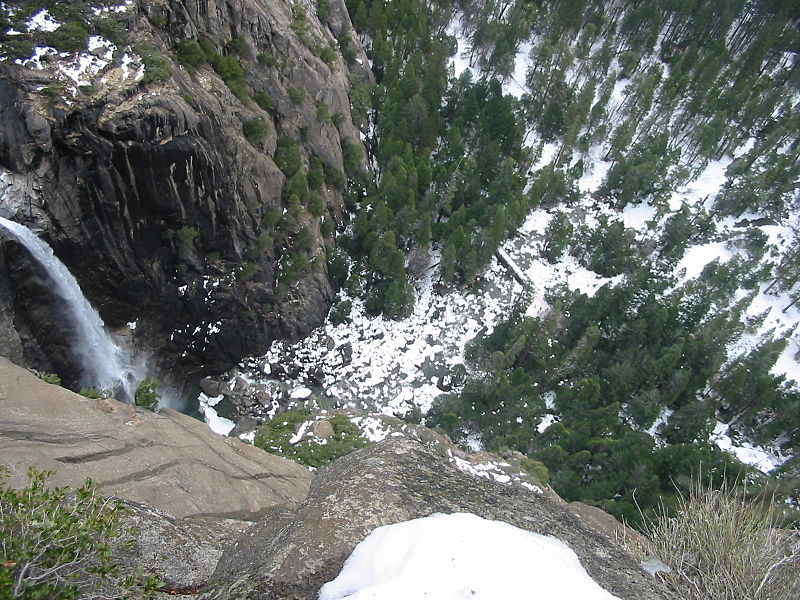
(451,557)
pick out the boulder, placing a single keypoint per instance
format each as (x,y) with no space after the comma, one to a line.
(211,387)
(322,429)
(166,460)
(291,555)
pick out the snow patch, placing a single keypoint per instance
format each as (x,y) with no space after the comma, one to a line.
(457,556)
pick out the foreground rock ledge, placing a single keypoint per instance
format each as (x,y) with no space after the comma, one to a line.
(291,555)
(166,460)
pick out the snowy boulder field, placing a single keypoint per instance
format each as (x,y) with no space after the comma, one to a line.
(459,556)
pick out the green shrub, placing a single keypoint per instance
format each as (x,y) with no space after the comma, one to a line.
(146,394)
(185,236)
(337,118)
(287,156)
(113,30)
(323,112)
(274,437)
(352,156)
(51,378)
(296,186)
(156,66)
(256,249)
(297,95)
(326,53)
(53,91)
(245,272)
(271,217)
(229,68)
(95,393)
(340,312)
(56,543)
(316,205)
(304,239)
(335,177)
(323,10)
(190,55)
(264,100)
(237,46)
(536,469)
(17,49)
(69,37)
(255,130)
(316,174)
(268,60)
(326,227)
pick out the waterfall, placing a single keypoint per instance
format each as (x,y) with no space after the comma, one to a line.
(105,364)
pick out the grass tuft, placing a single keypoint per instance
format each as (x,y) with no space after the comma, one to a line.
(720,545)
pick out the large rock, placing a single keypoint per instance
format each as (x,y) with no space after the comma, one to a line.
(182,553)
(290,556)
(167,460)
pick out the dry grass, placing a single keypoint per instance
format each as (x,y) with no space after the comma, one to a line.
(721,546)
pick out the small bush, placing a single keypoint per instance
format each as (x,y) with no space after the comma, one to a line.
(264,100)
(327,54)
(245,272)
(56,543)
(335,177)
(156,66)
(323,112)
(268,60)
(112,30)
(69,37)
(271,218)
(94,393)
(536,469)
(146,394)
(237,46)
(316,175)
(53,91)
(190,55)
(51,378)
(719,545)
(316,205)
(185,236)
(297,95)
(255,130)
(340,312)
(17,49)
(304,239)
(287,156)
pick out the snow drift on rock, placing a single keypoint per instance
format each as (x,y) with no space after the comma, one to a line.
(450,557)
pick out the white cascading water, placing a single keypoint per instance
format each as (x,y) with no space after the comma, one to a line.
(105,364)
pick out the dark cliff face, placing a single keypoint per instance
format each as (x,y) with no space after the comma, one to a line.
(156,201)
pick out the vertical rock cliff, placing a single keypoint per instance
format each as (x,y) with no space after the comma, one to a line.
(170,171)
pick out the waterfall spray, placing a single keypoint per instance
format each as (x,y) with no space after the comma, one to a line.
(105,364)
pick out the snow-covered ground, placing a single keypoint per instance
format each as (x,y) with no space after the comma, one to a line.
(393,366)
(461,556)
